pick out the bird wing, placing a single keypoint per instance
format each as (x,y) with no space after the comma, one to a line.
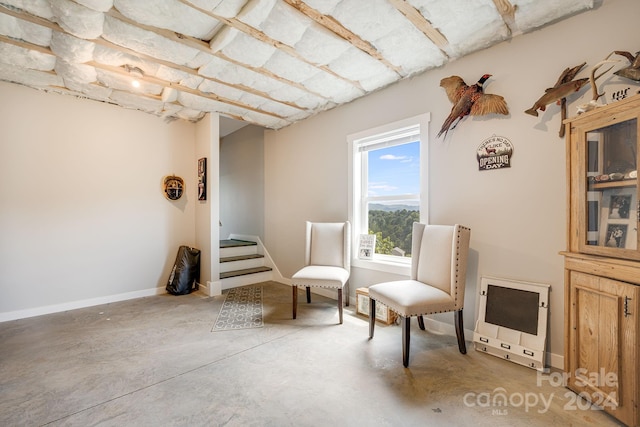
(453,86)
(488,103)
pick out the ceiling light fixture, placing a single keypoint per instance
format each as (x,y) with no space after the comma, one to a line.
(136,73)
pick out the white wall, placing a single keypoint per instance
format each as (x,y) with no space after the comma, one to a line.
(242,182)
(517,215)
(82,215)
(206,211)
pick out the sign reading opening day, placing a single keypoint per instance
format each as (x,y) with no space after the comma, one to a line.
(495,153)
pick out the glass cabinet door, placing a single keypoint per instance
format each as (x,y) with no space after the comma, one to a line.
(611,208)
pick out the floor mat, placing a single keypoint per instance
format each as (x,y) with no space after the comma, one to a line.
(242,309)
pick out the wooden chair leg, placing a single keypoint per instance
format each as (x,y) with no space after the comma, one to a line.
(346,286)
(372,316)
(308,295)
(406,339)
(295,300)
(421,322)
(340,304)
(462,346)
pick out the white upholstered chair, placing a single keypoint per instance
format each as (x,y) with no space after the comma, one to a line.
(327,261)
(437,282)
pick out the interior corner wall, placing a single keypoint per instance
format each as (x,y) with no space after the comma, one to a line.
(242,182)
(517,215)
(83,218)
(207,211)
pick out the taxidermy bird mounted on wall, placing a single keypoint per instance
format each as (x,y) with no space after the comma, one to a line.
(632,71)
(469,100)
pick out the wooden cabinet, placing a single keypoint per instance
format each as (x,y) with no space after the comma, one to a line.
(602,261)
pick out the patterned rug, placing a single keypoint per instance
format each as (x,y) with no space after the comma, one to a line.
(242,309)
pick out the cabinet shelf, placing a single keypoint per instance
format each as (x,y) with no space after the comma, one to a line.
(612,184)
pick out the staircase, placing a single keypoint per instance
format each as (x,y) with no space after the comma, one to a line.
(242,262)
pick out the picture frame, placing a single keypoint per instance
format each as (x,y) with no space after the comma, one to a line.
(619,206)
(366,246)
(616,236)
(202,178)
(618,218)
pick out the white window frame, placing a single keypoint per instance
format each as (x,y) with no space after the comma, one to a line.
(357,166)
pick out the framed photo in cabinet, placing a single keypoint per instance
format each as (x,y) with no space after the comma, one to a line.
(618,218)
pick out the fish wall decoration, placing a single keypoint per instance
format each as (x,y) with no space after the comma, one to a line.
(564,87)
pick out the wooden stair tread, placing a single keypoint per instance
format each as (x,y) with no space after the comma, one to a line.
(244,272)
(233,243)
(240,257)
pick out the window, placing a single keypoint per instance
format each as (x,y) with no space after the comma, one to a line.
(388,190)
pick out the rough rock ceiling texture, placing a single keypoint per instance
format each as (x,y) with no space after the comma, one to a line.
(266,62)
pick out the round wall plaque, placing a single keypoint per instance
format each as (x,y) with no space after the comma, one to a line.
(173,187)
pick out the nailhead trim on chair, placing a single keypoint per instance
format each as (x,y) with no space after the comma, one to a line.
(319,286)
(457,280)
(457,264)
(461,227)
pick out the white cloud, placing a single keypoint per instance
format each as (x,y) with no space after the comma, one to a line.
(392,157)
(383,186)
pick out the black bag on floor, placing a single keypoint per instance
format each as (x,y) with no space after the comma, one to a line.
(186,271)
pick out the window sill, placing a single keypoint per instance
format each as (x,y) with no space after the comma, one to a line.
(388,266)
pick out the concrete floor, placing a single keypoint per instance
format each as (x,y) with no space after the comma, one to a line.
(155,362)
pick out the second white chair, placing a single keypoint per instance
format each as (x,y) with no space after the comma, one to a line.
(327,261)
(438,275)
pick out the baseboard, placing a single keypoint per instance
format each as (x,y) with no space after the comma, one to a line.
(73,305)
(438,327)
(555,361)
(211,289)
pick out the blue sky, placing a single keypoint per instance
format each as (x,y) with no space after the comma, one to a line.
(394,170)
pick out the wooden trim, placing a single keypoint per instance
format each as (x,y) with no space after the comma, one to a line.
(192,43)
(259,35)
(421,23)
(149,79)
(508,13)
(337,28)
(268,73)
(177,86)
(182,39)
(26,45)
(204,47)
(618,269)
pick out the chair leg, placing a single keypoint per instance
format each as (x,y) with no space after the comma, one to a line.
(346,286)
(340,304)
(462,346)
(295,300)
(372,316)
(308,295)
(421,322)
(406,339)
